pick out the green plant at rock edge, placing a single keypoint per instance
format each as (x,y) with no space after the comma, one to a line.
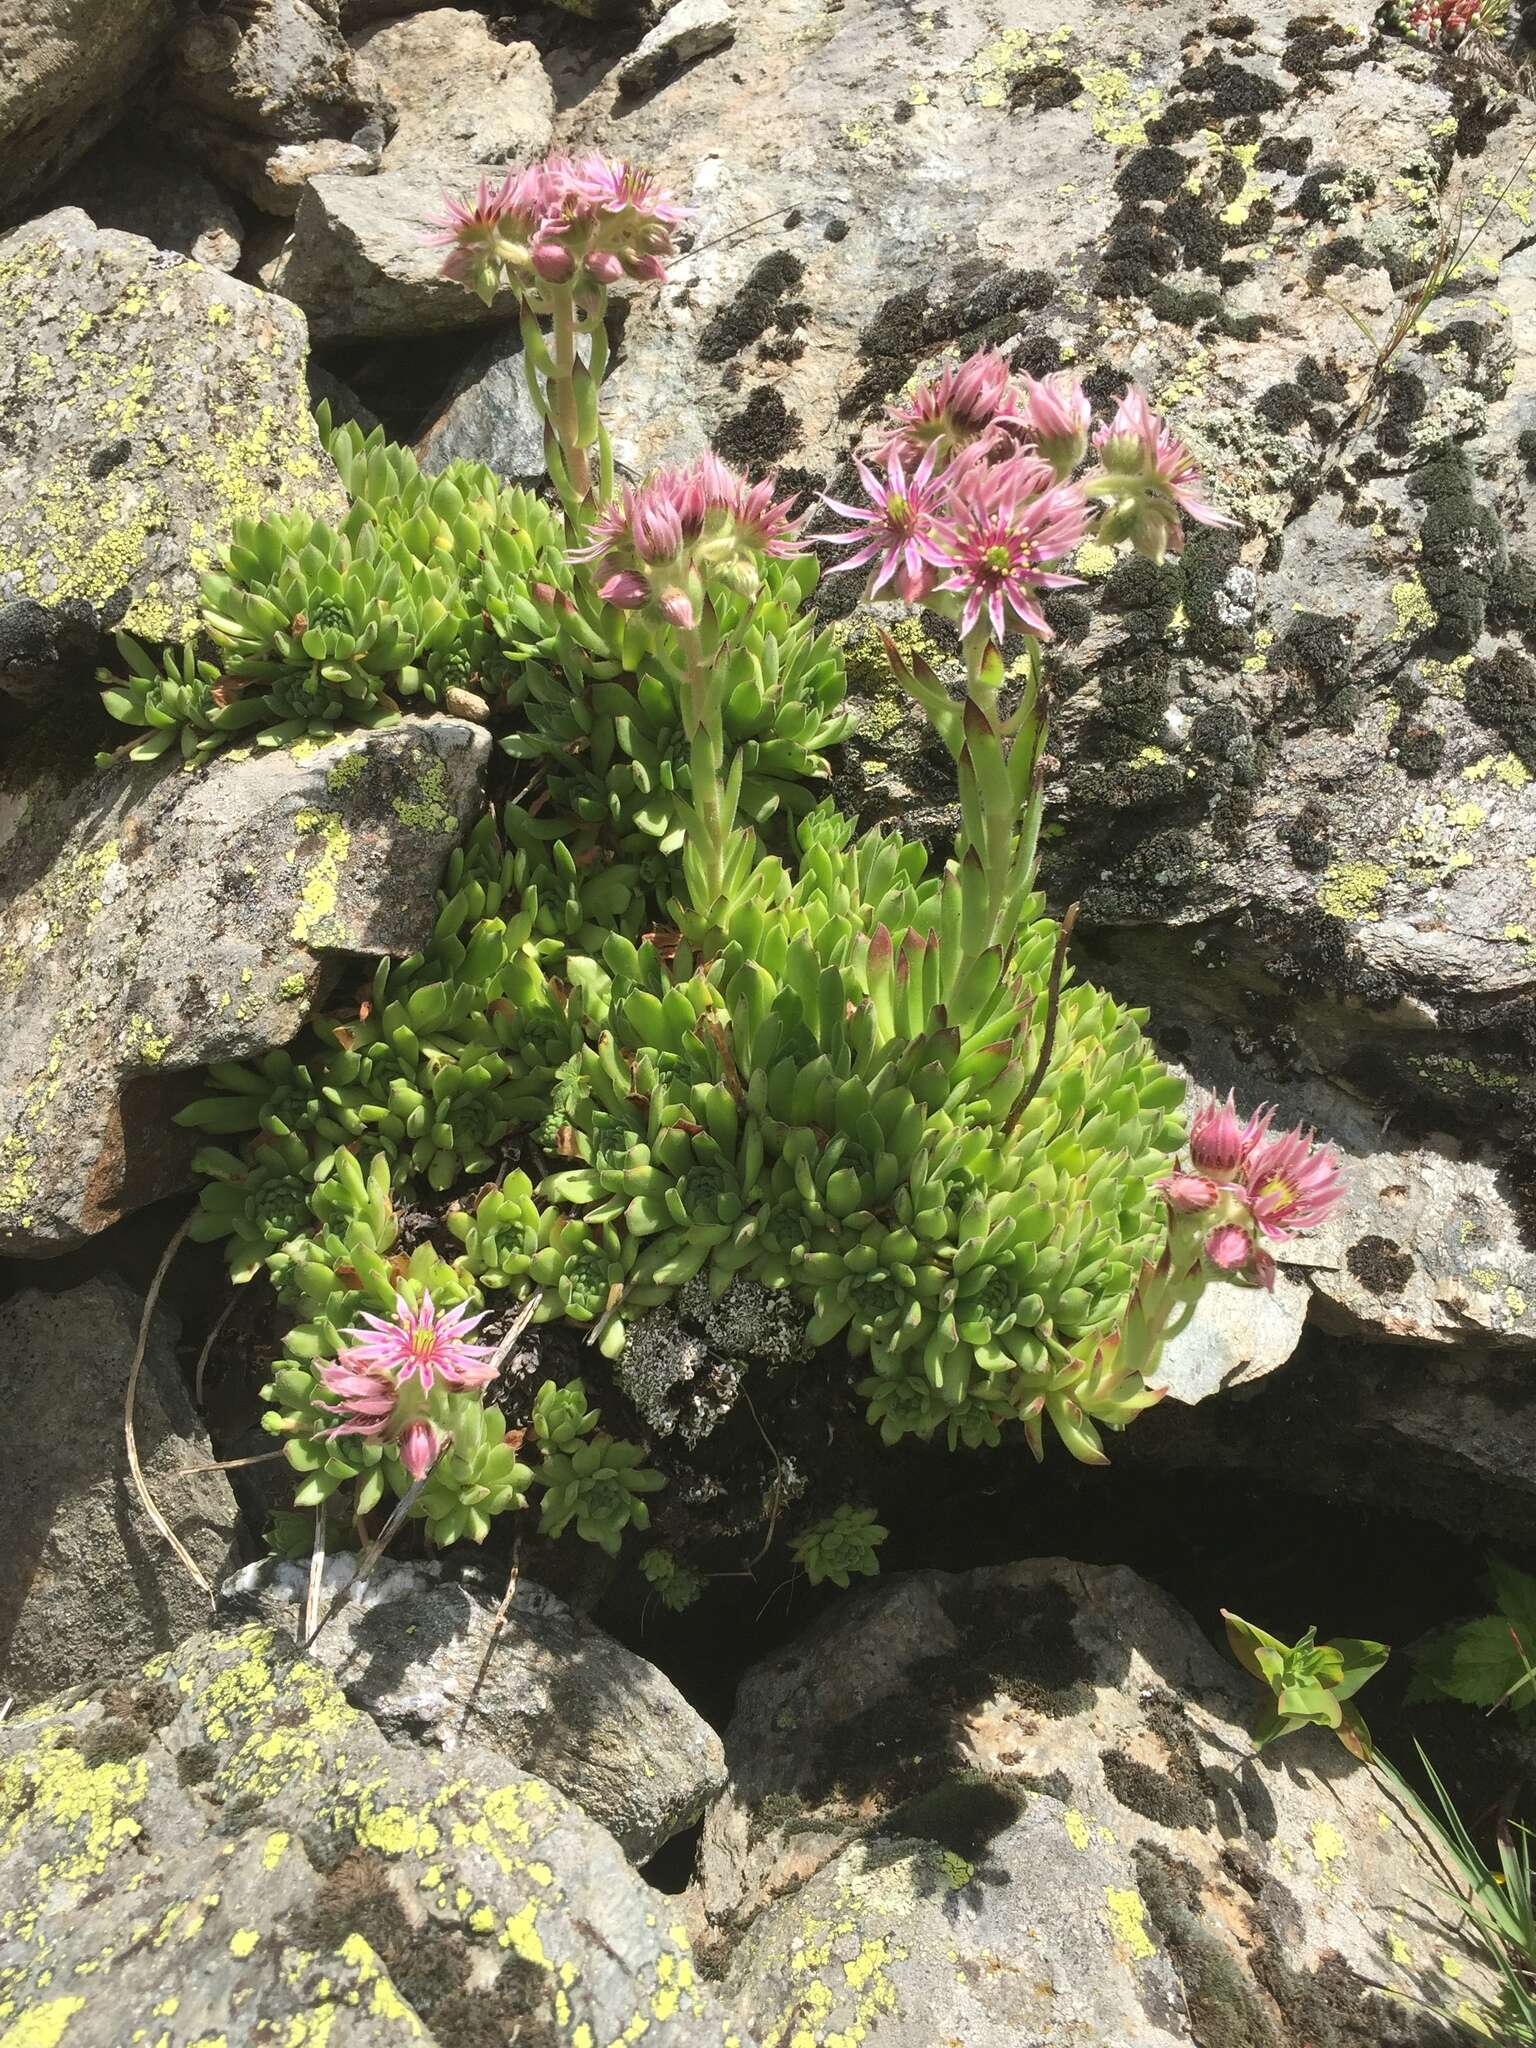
(677,1584)
(1486,1662)
(1312,1684)
(1494,1907)
(677,1020)
(840,1547)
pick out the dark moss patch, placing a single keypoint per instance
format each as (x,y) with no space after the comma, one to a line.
(196,1764)
(132,1716)
(1043,86)
(1232,26)
(1420,749)
(431,1967)
(1284,153)
(1155,172)
(1224,2008)
(1462,548)
(1379,1264)
(1232,88)
(964,1813)
(1315,44)
(749,316)
(1501,695)
(756,436)
(1178,1796)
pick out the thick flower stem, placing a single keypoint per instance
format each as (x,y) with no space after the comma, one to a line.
(561,405)
(702,723)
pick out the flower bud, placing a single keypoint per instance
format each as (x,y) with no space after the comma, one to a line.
(418,1444)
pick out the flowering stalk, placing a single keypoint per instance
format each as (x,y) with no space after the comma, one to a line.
(974,517)
(559,233)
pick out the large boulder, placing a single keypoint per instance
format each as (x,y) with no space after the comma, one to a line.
(88,1585)
(1295,792)
(225,1850)
(361,264)
(153,918)
(69,67)
(453,94)
(420,1651)
(1019,1804)
(147,402)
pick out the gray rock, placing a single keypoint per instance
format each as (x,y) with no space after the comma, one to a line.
(452,93)
(278,69)
(688,30)
(359,263)
(149,402)
(307,1881)
(69,68)
(154,918)
(1021,1804)
(88,1586)
(489,416)
(1285,749)
(130,182)
(273,176)
(559,1698)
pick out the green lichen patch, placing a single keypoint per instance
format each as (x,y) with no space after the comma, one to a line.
(148,423)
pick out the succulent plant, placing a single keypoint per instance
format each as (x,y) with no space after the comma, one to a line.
(561,1418)
(259,1202)
(185,703)
(477,1474)
(1311,1683)
(600,1486)
(678,1584)
(297,1413)
(840,1546)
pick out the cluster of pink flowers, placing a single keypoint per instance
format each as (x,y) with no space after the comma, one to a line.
(382,1380)
(658,543)
(977,506)
(563,219)
(1246,1185)
(1447,21)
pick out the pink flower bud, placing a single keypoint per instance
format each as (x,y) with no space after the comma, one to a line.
(551,260)
(1060,418)
(1189,1193)
(604,266)
(418,1444)
(626,589)
(677,609)
(1228,1248)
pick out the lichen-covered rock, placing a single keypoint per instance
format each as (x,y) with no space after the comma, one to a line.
(1019,1804)
(88,1585)
(154,917)
(224,1850)
(360,265)
(148,402)
(452,94)
(555,1696)
(1295,789)
(69,67)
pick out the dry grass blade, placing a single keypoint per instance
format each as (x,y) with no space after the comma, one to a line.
(369,1557)
(316,1582)
(136,1471)
(224,1465)
(524,1317)
(498,1623)
(208,1344)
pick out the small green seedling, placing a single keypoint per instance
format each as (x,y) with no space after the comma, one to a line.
(1312,1683)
